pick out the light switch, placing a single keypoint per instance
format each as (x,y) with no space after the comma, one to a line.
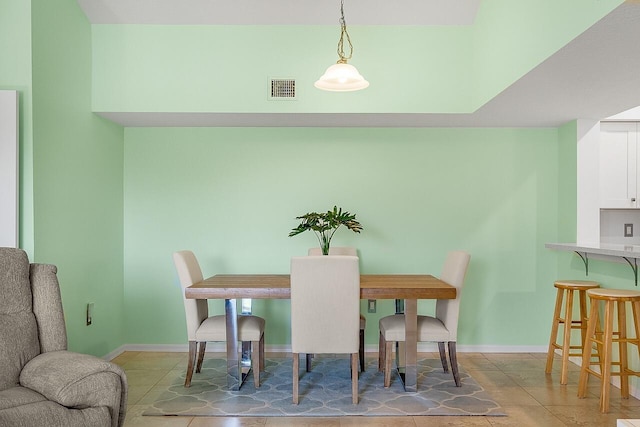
(628,230)
(372,306)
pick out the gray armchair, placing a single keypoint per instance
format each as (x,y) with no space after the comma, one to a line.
(41,383)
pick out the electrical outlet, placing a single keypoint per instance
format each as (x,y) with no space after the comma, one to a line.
(372,306)
(628,230)
(90,307)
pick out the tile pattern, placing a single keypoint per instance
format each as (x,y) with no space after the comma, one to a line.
(325,391)
(516,381)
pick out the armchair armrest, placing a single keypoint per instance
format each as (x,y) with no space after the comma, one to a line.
(78,381)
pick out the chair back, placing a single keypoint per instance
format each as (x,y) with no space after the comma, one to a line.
(335,250)
(189,272)
(453,272)
(325,304)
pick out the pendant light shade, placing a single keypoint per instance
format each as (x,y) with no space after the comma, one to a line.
(342,77)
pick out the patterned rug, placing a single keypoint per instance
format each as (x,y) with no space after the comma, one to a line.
(325,391)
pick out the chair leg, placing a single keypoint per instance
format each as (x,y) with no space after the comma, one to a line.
(361,350)
(453,358)
(201,350)
(261,367)
(309,358)
(381,357)
(255,362)
(443,357)
(354,377)
(296,367)
(388,352)
(193,345)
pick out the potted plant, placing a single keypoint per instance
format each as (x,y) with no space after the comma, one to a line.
(324,225)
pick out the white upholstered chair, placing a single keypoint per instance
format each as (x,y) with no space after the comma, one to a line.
(325,310)
(335,250)
(351,251)
(441,328)
(202,328)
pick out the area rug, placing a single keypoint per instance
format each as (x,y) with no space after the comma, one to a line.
(325,391)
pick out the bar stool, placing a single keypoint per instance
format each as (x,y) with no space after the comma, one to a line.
(611,298)
(567,287)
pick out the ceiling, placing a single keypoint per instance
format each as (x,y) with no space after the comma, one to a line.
(593,77)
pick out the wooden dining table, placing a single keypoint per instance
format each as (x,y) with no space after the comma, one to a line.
(407,287)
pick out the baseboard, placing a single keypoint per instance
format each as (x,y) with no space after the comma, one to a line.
(115,353)
(184,348)
(495,348)
(286,348)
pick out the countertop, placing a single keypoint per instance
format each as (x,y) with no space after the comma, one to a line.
(627,251)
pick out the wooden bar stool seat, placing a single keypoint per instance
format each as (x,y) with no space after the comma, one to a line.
(566,288)
(612,299)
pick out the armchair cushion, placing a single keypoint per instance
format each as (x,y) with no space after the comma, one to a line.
(18,396)
(77,381)
(47,307)
(18,331)
(49,414)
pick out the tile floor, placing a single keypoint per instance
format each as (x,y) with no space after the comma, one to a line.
(516,381)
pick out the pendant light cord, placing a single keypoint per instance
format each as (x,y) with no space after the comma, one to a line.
(343,33)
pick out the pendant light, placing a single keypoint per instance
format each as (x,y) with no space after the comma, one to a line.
(342,77)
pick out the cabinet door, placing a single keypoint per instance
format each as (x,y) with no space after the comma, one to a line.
(618,165)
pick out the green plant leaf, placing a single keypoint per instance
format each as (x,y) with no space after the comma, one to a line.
(324,225)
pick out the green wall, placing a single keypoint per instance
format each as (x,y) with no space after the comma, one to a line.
(227,68)
(412,69)
(78,168)
(231,195)
(109,205)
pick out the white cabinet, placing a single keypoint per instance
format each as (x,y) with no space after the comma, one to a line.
(619,164)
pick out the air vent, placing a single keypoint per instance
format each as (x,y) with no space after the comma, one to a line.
(283,89)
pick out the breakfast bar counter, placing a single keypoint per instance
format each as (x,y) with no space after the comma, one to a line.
(629,253)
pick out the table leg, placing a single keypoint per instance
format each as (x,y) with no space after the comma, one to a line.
(411,345)
(234,351)
(400,345)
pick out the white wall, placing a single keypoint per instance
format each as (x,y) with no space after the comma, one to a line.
(588,183)
(9,168)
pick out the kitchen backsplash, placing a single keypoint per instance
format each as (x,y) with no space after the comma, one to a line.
(615,222)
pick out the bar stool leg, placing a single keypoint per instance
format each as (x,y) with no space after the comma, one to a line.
(554,330)
(566,339)
(635,308)
(583,317)
(588,345)
(606,363)
(622,337)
